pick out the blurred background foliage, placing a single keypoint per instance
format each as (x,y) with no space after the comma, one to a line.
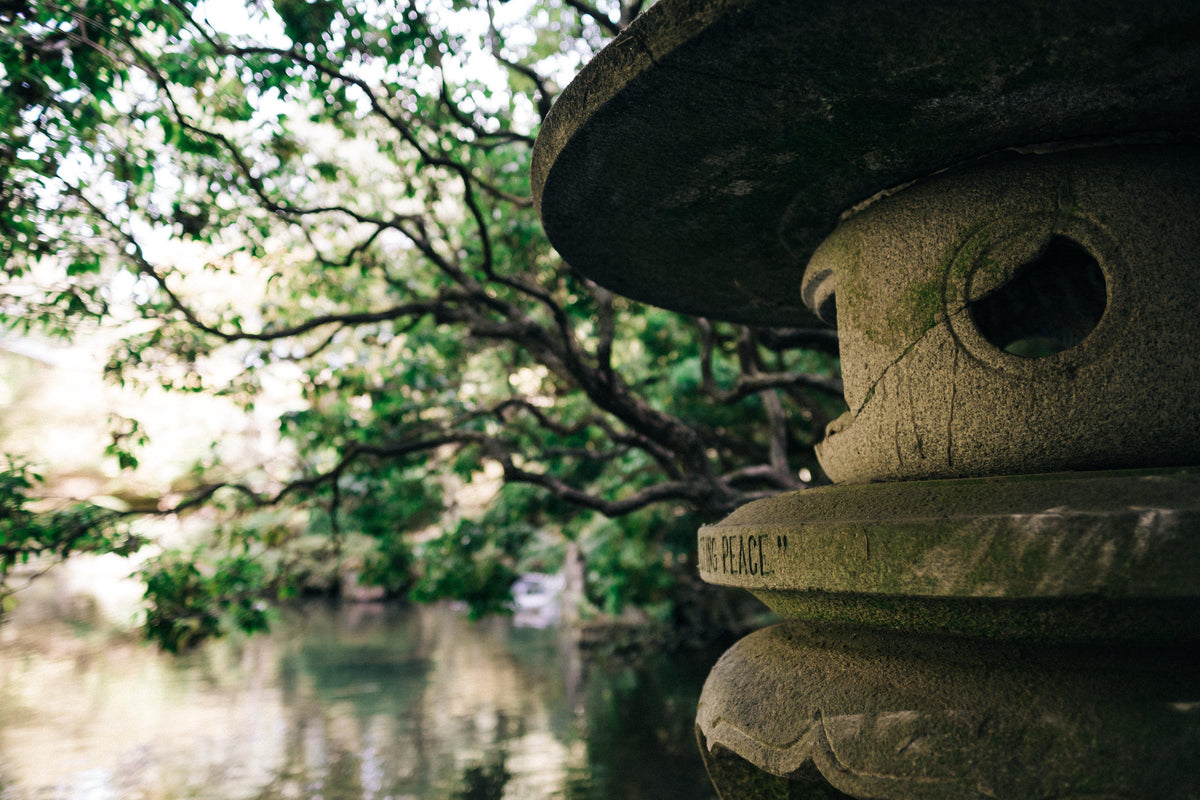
(328,201)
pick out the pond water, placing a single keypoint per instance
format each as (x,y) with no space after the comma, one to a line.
(357,701)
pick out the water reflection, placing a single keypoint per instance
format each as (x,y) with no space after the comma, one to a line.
(354,702)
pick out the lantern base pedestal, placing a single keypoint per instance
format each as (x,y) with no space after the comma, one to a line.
(798,710)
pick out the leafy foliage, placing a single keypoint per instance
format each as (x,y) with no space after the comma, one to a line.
(187,605)
(473,564)
(28,534)
(338,192)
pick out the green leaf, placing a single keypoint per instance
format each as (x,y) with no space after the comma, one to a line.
(87,264)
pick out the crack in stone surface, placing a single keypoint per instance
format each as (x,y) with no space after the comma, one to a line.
(908,349)
(875,383)
(635,36)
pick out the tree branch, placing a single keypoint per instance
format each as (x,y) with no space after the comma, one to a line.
(600,17)
(820,338)
(670,490)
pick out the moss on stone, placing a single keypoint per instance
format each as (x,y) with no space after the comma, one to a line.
(1067,555)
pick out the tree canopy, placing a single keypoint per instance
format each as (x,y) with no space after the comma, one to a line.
(340,189)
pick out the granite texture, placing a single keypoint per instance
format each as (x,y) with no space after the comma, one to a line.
(1068,556)
(1029,314)
(829,714)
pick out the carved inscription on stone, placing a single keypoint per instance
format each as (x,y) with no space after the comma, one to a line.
(752,554)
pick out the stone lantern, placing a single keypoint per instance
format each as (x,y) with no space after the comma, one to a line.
(998,205)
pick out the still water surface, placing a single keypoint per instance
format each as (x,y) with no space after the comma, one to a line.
(362,701)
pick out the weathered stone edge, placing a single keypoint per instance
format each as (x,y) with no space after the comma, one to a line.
(622,61)
(1109,534)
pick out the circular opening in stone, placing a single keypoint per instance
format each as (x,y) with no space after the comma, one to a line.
(1050,304)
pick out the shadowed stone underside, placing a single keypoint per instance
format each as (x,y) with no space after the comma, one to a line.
(702,156)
